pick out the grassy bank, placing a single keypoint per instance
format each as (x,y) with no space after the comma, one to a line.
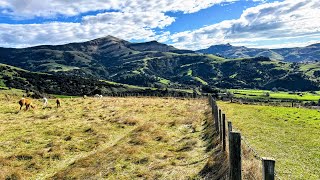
(290,135)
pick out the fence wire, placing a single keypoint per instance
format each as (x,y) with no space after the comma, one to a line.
(255,153)
(247,144)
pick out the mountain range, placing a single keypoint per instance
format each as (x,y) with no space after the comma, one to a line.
(151,64)
(298,54)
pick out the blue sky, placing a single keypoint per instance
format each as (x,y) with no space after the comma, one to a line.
(187,24)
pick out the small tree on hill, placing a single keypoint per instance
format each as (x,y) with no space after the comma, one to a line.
(230,95)
(267,94)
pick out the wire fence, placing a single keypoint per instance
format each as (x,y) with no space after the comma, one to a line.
(236,152)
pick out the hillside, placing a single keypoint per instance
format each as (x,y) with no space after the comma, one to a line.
(299,54)
(64,84)
(153,64)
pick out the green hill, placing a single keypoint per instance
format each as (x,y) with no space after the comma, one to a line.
(157,65)
(12,77)
(299,54)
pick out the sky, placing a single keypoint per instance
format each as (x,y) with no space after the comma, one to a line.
(185,24)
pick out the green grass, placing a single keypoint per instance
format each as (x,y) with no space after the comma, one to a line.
(261,94)
(64,96)
(200,80)
(309,69)
(215,58)
(110,138)
(164,81)
(13,67)
(233,76)
(290,135)
(2,83)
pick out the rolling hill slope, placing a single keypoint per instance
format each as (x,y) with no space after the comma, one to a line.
(300,54)
(153,64)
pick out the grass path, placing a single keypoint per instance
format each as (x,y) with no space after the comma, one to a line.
(48,173)
(154,149)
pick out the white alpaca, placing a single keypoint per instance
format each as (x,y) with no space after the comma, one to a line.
(98,96)
(45,102)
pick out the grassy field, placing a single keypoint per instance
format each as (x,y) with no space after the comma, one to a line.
(109,138)
(261,94)
(290,135)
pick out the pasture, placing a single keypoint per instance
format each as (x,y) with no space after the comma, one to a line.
(290,135)
(279,95)
(108,138)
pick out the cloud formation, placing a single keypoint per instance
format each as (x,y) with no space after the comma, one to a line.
(127,19)
(284,20)
(51,8)
(288,21)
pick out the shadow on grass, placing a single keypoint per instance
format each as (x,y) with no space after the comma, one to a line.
(217,165)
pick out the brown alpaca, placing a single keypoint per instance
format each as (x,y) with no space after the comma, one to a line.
(58,103)
(27,103)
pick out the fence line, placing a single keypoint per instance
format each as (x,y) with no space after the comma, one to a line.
(235,139)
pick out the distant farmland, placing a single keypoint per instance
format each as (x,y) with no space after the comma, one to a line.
(290,135)
(279,95)
(110,138)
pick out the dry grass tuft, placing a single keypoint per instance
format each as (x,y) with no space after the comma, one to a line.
(251,166)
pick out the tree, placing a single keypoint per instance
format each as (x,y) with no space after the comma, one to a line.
(230,95)
(267,94)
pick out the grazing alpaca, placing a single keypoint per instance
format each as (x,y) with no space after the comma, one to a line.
(27,103)
(45,102)
(98,96)
(58,103)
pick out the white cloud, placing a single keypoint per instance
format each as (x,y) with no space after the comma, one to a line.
(60,33)
(142,19)
(284,44)
(52,8)
(133,19)
(264,22)
(137,19)
(128,26)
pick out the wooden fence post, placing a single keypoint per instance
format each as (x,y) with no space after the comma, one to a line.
(235,155)
(212,101)
(220,124)
(216,117)
(268,165)
(229,127)
(224,132)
